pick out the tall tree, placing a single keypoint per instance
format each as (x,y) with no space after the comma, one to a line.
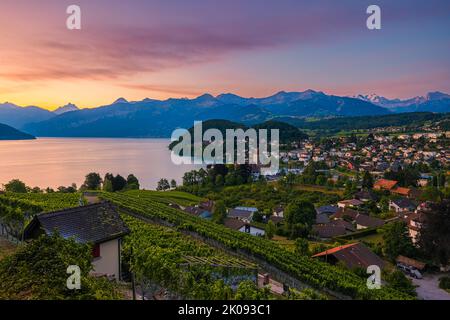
(397,241)
(270,229)
(163,185)
(16,186)
(367,182)
(434,236)
(93,181)
(219,211)
(132,182)
(119,183)
(300,212)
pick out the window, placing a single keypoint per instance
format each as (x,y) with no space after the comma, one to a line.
(96,251)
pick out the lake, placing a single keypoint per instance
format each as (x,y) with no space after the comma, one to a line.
(54,162)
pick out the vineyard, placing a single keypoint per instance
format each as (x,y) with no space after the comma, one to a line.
(315,273)
(180,198)
(47,202)
(162,257)
(16,209)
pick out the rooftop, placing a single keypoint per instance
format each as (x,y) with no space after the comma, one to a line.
(93,223)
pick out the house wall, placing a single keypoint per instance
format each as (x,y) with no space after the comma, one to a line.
(253,231)
(109,260)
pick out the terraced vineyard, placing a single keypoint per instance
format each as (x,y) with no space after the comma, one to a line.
(180,198)
(16,209)
(315,273)
(47,202)
(166,257)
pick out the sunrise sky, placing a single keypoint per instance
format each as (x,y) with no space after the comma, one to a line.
(170,48)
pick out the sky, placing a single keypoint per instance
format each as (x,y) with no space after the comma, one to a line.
(183,48)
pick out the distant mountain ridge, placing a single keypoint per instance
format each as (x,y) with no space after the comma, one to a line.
(431,102)
(158,118)
(9,133)
(67,108)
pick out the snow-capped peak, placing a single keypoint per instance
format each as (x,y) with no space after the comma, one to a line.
(67,108)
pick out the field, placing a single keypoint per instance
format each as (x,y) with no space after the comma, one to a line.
(321,189)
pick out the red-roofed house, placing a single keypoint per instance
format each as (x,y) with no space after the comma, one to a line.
(406,192)
(384,184)
(352,255)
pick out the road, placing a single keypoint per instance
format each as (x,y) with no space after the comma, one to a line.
(429,288)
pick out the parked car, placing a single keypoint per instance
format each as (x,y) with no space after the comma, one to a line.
(411,271)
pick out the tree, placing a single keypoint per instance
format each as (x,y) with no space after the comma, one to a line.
(247,290)
(431,194)
(173,184)
(270,229)
(434,236)
(302,247)
(163,185)
(93,181)
(219,211)
(300,211)
(230,180)
(351,188)
(37,271)
(132,182)
(107,183)
(16,186)
(398,281)
(397,241)
(119,183)
(367,182)
(219,180)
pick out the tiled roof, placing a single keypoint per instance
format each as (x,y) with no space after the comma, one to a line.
(94,223)
(404,203)
(234,224)
(351,202)
(402,191)
(342,212)
(411,262)
(342,223)
(327,209)
(385,184)
(354,255)
(329,231)
(322,218)
(237,213)
(368,221)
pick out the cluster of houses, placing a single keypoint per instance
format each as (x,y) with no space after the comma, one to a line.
(239,218)
(382,153)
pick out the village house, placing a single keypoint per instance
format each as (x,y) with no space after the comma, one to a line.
(384,184)
(363,221)
(352,203)
(242,213)
(355,255)
(402,205)
(242,226)
(97,224)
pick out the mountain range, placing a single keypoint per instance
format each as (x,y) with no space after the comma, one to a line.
(431,102)
(158,118)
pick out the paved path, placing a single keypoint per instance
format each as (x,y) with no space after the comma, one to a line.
(429,288)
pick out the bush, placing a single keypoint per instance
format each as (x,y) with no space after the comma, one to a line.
(444,283)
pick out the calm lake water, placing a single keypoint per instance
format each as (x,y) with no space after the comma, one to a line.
(52,162)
